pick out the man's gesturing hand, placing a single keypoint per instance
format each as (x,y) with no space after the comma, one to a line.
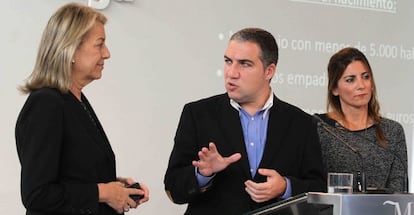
(210,161)
(274,186)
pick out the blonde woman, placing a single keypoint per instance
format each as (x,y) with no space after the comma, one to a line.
(67,164)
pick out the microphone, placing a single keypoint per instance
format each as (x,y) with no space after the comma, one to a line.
(403,163)
(360,177)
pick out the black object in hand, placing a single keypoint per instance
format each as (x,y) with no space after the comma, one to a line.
(135,197)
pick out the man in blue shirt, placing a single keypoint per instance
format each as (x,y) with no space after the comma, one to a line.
(244,149)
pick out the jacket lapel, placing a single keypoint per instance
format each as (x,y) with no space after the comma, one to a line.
(276,131)
(95,131)
(229,122)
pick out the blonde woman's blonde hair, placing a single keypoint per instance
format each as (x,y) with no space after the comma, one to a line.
(63,34)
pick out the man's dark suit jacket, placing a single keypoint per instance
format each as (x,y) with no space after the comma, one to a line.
(292,149)
(64,153)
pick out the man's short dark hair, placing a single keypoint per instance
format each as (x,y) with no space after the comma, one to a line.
(269,52)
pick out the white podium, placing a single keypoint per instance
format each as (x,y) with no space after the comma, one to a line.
(365,204)
(314,203)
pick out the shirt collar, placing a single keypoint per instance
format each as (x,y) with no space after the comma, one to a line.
(266,107)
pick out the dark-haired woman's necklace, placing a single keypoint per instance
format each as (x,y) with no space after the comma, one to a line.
(367,125)
(365,132)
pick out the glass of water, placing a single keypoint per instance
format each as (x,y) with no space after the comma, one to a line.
(340,182)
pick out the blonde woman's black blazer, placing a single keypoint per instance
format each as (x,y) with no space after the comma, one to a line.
(64,153)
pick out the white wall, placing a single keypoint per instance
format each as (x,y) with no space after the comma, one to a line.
(167,53)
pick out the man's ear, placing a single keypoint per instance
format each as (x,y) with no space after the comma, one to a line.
(270,71)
